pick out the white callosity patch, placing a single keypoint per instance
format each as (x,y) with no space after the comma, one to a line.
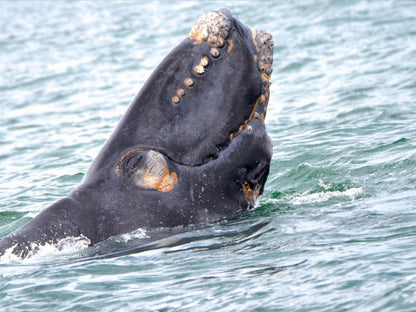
(264,45)
(212,27)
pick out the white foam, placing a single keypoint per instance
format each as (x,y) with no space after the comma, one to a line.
(308,198)
(65,246)
(136,234)
(9,256)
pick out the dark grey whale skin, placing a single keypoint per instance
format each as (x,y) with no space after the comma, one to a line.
(218,155)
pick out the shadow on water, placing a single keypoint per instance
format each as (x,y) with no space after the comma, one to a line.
(237,233)
(233,231)
(197,238)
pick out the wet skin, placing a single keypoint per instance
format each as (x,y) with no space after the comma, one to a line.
(191,148)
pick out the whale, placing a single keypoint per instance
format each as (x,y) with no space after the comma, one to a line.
(192,147)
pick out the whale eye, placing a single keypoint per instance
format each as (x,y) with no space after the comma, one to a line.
(258,175)
(147,169)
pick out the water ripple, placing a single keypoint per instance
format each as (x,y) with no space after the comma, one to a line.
(334,230)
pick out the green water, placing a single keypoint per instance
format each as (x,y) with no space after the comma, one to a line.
(336,227)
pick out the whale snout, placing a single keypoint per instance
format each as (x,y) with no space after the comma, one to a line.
(212,27)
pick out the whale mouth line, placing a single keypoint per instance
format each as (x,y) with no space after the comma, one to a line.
(247,126)
(215,28)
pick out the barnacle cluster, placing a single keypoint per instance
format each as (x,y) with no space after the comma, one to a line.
(212,27)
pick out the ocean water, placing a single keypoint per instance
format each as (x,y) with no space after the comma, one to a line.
(336,227)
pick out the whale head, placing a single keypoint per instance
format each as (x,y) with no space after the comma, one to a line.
(191,148)
(193,143)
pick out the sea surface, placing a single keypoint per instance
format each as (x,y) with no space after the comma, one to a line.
(336,227)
